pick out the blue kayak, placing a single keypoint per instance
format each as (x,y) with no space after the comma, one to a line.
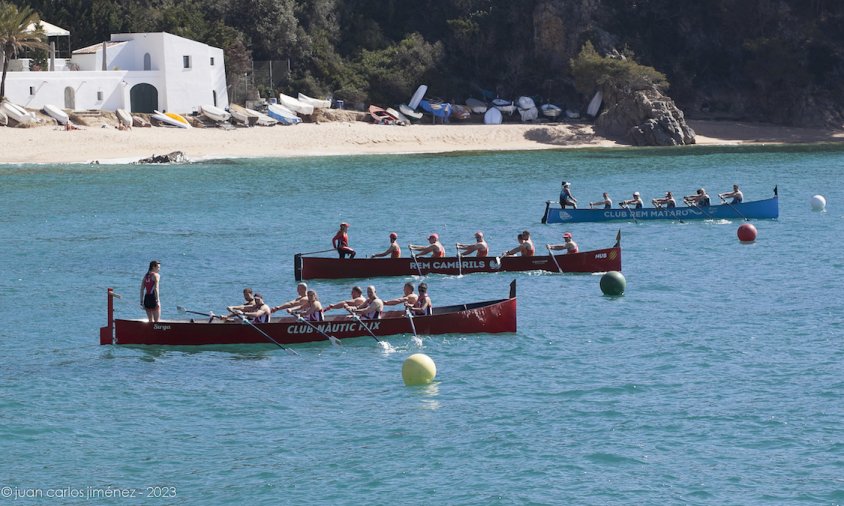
(757,209)
(440,110)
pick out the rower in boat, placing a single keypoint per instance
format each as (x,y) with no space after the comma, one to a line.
(481,248)
(408,298)
(736,195)
(566,198)
(301,298)
(606,202)
(394,250)
(525,247)
(666,201)
(356,300)
(568,245)
(636,201)
(699,199)
(248,303)
(372,307)
(312,311)
(259,314)
(434,247)
(423,305)
(340,241)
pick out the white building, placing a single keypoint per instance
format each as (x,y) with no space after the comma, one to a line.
(139,72)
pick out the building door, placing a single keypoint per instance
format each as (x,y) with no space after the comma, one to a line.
(69,98)
(143,98)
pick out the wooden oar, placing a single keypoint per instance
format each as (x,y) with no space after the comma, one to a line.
(211,315)
(409,314)
(415,261)
(246,321)
(356,317)
(317,252)
(553,258)
(459,260)
(733,208)
(632,214)
(334,340)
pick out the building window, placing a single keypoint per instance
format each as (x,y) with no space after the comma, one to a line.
(212,61)
(147,62)
(99,96)
(32,90)
(186,61)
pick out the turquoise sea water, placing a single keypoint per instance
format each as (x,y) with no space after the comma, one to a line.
(716,379)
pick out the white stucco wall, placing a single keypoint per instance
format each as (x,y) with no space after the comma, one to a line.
(179,89)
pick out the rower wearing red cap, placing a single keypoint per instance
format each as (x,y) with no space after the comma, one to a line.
(570,246)
(434,247)
(480,246)
(340,241)
(394,250)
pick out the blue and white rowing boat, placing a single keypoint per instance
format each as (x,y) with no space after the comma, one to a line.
(758,209)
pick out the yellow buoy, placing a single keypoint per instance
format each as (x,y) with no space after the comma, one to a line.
(418,369)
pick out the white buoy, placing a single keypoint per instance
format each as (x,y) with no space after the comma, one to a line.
(818,203)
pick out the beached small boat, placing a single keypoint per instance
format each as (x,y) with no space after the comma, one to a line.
(440,110)
(476,106)
(140,122)
(410,113)
(572,114)
(4,120)
(505,106)
(417,97)
(313,267)
(17,113)
(123,117)
(460,111)
(758,209)
(171,119)
(283,115)
(489,317)
(214,113)
(242,115)
(492,116)
(295,104)
(380,116)
(401,119)
(551,111)
(263,119)
(527,109)
(56,113)
(315,102)
(595,104)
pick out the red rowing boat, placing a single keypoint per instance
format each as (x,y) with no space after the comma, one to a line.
(307,267)
(489,317)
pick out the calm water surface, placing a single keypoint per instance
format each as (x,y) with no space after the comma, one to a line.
(717,377)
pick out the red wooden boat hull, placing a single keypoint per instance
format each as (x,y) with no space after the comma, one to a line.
(602,260)
(489,317)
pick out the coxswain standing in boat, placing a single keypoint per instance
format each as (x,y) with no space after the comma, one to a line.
(636,201)
(699,199)
(525,247)
(666,201)
(259,314)
(480,247)
(357,300)
(606,202)
(372,307)
(566,198)
(736,195)
(393,250)
(312,311)
(408,298)
(301,298)
(434,247)
(340,241)
(569,245)
(423,305)
(150,299)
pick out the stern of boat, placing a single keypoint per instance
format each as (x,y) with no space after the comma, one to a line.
(107,333)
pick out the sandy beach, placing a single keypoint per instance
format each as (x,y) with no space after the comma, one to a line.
(51,144)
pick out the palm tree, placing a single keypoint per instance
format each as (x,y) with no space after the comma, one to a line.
(16,36)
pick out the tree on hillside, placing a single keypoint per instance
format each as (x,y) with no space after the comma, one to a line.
(619,72)
(15,35)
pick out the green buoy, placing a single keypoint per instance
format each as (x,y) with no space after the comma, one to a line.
(613,283)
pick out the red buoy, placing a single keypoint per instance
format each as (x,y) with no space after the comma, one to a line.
(746,233)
